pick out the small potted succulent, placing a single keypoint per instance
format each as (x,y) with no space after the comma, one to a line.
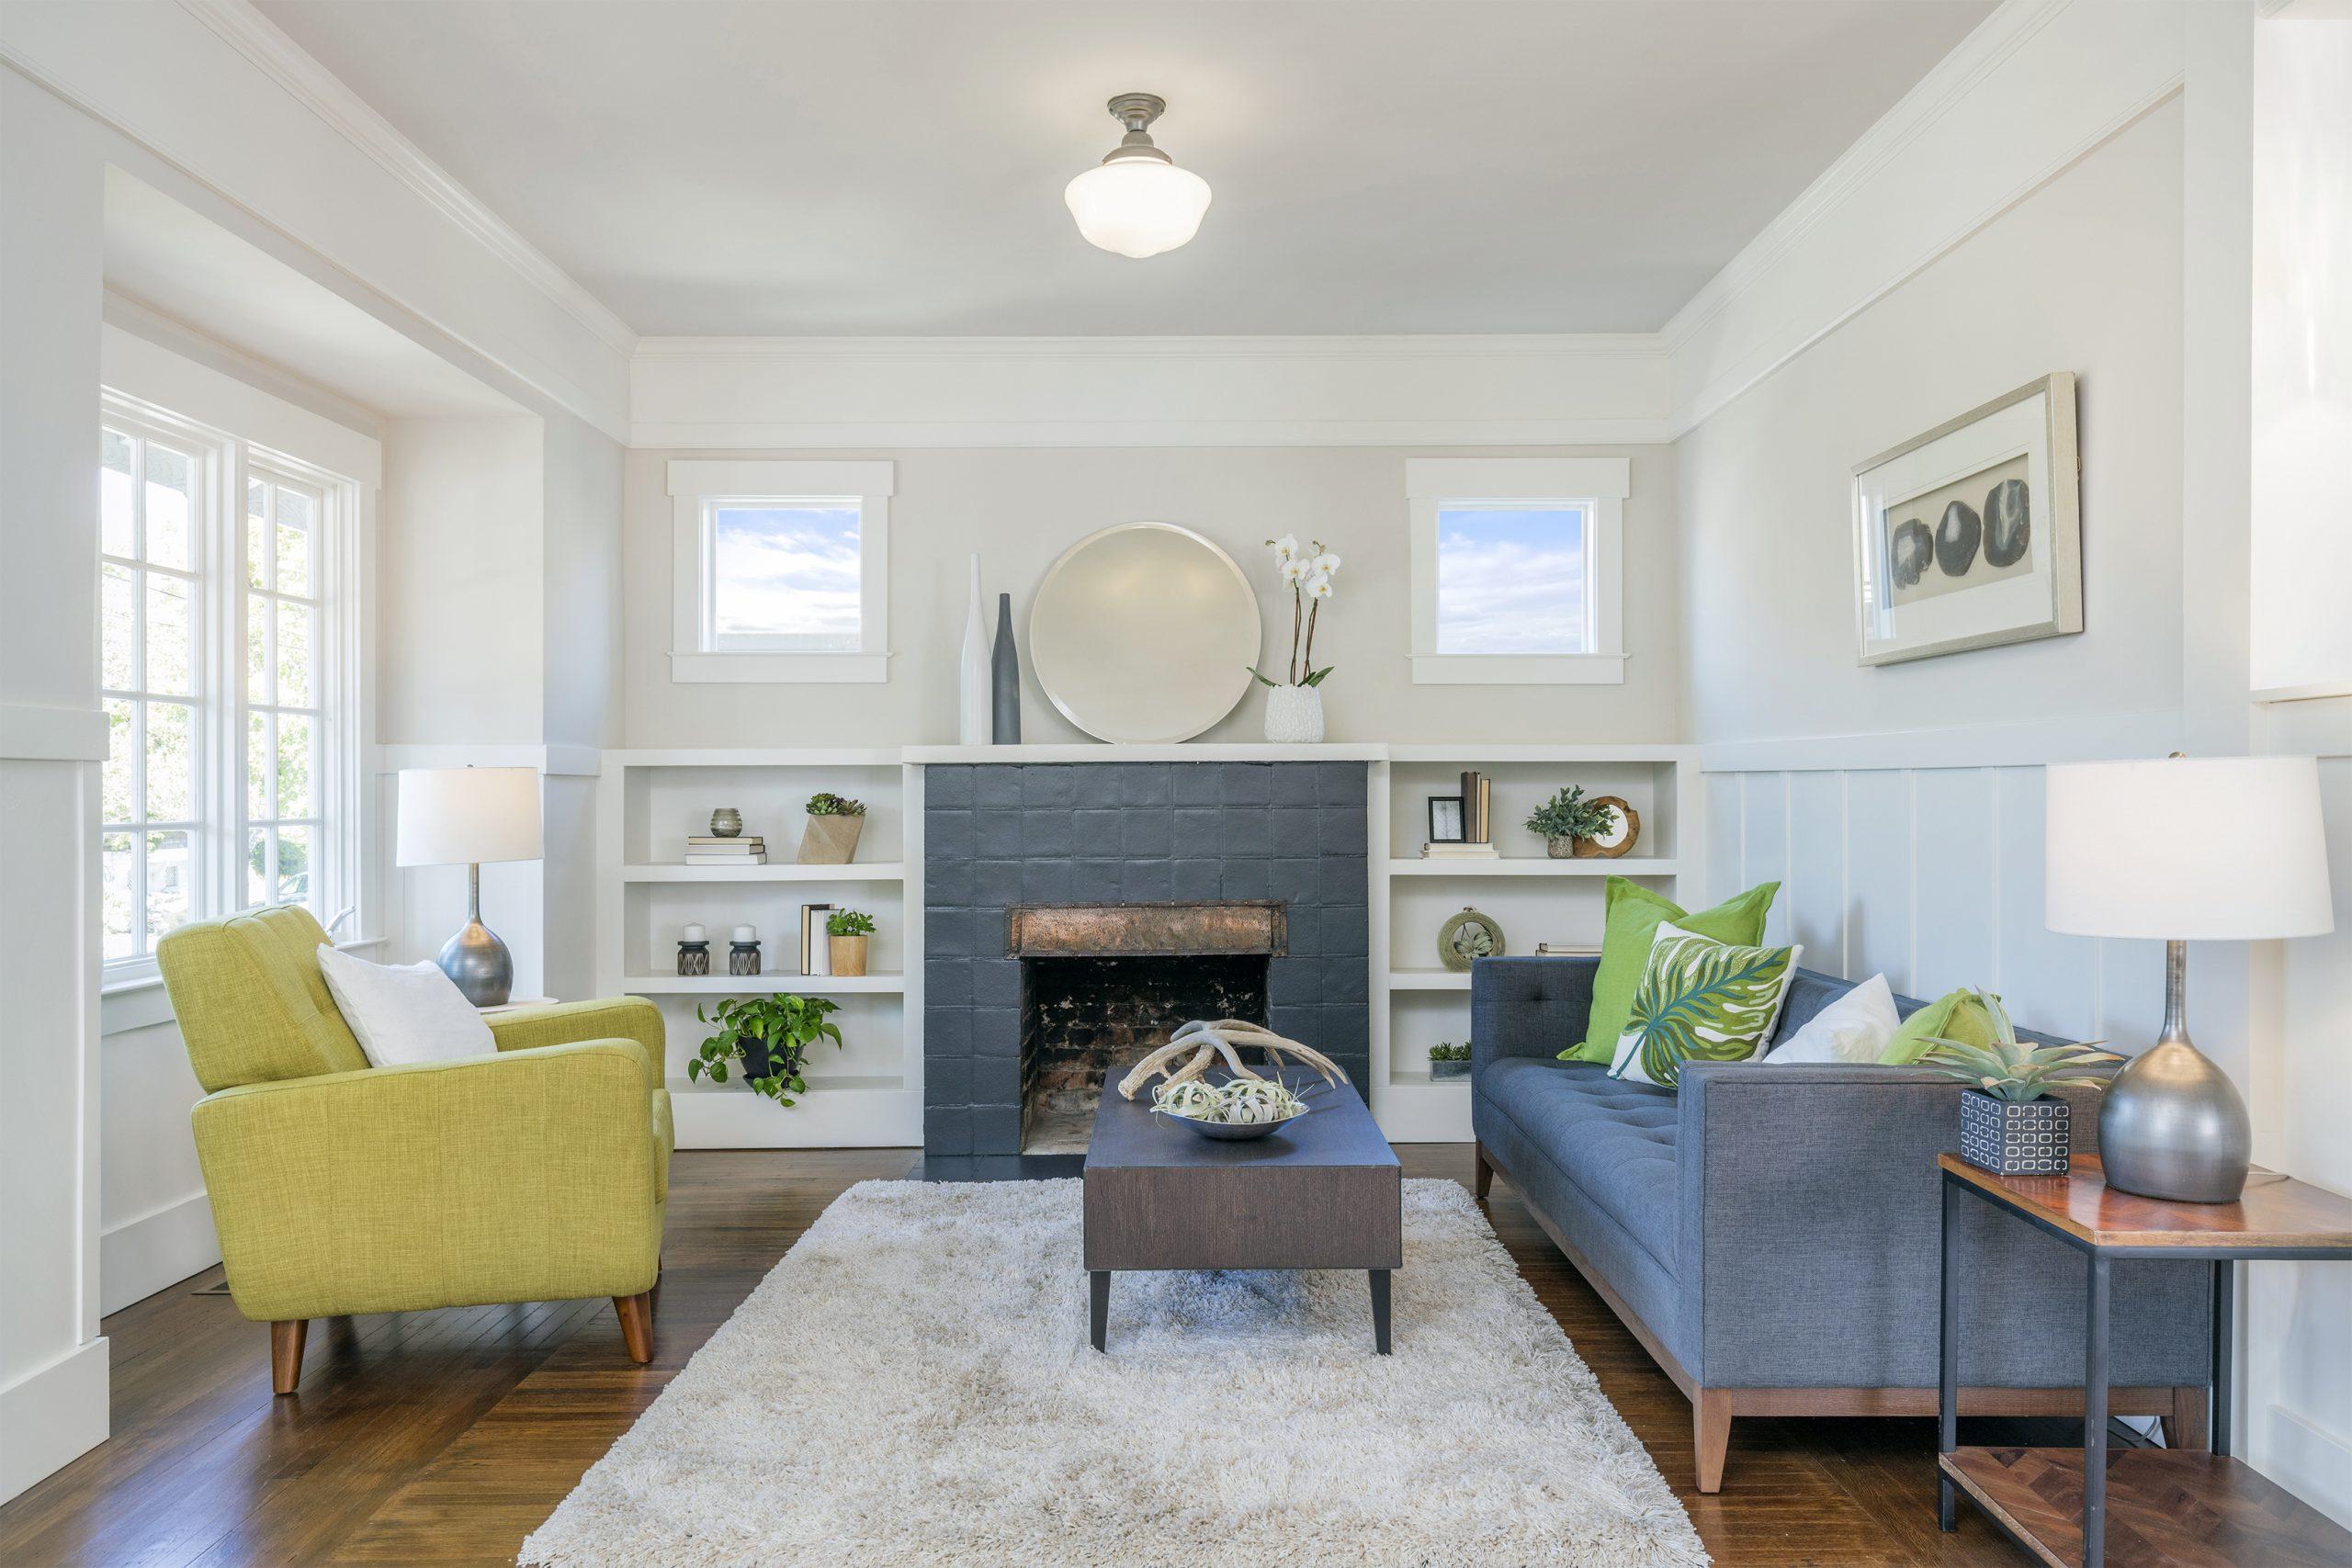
(1571,825)
(1447,1060)
(834,823)
(2010,1124)
(770,1036)
(846,934)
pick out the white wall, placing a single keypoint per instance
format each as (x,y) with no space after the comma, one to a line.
(1021,507)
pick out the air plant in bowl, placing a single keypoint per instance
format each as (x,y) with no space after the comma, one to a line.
(1239,1108)
(2010,1122)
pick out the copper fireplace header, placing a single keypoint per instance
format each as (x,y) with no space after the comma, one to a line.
(1144,930)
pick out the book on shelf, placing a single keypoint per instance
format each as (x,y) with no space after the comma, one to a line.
(1450,850)
(1477,808)
(752,846)
(816,951)
(725,860)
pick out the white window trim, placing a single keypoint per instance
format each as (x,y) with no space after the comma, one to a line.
(694,485)
(1602,483)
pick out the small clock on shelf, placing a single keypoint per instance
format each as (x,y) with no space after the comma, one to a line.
(1467,937)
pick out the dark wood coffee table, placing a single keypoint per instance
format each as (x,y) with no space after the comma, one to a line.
(1324,1191)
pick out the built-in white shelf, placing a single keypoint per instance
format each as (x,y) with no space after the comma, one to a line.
(1175,751)
(760,985)
(857,871)
(1422,1080)
(1535,865)
(1428,980)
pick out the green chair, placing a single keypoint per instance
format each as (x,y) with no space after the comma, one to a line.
(537,1173)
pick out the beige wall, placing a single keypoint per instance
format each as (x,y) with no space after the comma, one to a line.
(1021,507)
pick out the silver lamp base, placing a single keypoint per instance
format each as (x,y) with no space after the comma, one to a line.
(2171,1124)
(475,960)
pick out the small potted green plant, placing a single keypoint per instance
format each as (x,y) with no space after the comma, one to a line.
(2010,1122)
(846,934)
(770,1036)
(834,823)
(1447,1060)
(1571,823)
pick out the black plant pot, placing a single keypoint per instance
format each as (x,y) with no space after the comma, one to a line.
(2011,1139)
(759,1061)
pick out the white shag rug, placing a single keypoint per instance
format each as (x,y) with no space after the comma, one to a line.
(912,1385)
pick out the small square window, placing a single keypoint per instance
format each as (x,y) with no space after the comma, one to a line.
(1516,569)
(782,571)
(1510,579)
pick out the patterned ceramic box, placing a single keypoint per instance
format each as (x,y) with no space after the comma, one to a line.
(2009,1139)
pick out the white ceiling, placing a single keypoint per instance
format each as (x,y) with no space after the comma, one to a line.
(884,167)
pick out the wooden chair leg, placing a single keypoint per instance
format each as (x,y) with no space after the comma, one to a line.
(1482,1180)
(286,1340)
(2187,1426)
(1711,1434)
(637,1325)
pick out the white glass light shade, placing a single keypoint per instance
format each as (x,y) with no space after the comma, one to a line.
(1138,207)
(2189,849)
(467,816)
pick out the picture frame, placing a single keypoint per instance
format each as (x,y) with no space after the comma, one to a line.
(1970,535)
(1445,819)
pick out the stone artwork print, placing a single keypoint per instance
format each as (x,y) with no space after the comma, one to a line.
(912,1385)
(1960,535)
(1700,999)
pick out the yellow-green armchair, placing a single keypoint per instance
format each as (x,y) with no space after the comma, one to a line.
(539,1173)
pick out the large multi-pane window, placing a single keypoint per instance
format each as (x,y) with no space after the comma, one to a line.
(225,683)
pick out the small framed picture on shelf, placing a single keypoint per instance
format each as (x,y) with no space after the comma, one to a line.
(1445,819)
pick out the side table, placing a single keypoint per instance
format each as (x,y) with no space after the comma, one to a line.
(2142,1497)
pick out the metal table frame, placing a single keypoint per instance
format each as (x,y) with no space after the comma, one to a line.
(2095,1348)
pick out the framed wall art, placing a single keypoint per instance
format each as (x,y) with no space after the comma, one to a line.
(1970,535)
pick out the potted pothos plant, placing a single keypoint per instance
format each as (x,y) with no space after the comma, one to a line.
(2010,1121)
(1570,823)
(1294,703)
(846,934)
(831,836)
(770,1036)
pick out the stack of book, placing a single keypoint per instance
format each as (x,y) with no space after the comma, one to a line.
(816,951)
(703,850)
(1477,840)
(1450,850)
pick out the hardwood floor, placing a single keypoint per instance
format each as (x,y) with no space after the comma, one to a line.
(447,1436)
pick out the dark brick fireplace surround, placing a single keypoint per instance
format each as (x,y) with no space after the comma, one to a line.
(998,835)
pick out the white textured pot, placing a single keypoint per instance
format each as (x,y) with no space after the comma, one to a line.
(1295,715)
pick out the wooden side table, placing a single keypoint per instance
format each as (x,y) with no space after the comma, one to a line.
(2167,1506)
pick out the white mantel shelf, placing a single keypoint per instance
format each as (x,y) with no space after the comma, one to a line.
(1175,751)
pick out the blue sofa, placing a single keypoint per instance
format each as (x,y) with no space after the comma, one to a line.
(1772,1234)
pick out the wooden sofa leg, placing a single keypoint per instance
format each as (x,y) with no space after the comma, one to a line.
(286,1340)
(1711,1434)
(637,1325)
(1482,1180)
(2187,1426)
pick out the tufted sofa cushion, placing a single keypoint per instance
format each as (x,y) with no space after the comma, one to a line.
(1613,1139)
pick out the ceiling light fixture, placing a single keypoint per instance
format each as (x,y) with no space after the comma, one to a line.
(1136,201)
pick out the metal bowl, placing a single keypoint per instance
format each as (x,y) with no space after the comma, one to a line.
(1229,1131)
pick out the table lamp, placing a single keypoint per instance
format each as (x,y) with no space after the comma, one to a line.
(463,817)
(2208,849)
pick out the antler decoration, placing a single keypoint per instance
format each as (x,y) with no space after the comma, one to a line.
(1199,1046)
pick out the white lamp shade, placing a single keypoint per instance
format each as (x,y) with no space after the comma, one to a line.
(465,816)
(2189,849)
(1138,207)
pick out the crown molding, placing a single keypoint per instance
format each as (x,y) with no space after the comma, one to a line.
(1516,345)
(242,26)
(1946,85)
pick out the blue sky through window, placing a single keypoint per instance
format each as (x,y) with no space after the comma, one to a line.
(1510,582)
(790,572)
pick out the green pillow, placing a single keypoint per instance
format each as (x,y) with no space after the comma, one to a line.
(1700,1000)
(1959,1015)
(1633,913)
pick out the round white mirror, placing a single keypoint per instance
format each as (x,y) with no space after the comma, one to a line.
(1144,632)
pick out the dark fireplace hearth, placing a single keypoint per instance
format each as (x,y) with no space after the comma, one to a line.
(1083,1020)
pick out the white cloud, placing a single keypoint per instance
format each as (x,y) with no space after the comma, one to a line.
(1508,596)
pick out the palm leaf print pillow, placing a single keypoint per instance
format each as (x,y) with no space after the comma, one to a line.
(1701,1000)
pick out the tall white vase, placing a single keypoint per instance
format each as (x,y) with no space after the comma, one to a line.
(972,676)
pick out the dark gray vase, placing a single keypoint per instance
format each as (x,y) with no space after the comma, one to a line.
(1005,677)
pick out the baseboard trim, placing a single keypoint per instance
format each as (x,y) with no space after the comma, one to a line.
(50,1418)
(156,1251)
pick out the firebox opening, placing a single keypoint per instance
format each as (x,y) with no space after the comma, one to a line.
(1085,1019)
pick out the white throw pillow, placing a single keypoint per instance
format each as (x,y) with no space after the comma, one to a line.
(404,1013)
(1857,1027)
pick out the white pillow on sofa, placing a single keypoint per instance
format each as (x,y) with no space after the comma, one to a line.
(404,1013)
(1854,1028)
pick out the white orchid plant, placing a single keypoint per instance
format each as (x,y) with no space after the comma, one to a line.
(1307,574)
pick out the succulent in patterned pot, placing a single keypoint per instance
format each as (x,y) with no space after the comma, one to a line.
(2010,1122)
(830,837)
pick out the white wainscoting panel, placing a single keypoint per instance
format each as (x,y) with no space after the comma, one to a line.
(1931,877)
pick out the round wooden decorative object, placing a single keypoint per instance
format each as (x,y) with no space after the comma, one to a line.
(1629,827)
(1466,937)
